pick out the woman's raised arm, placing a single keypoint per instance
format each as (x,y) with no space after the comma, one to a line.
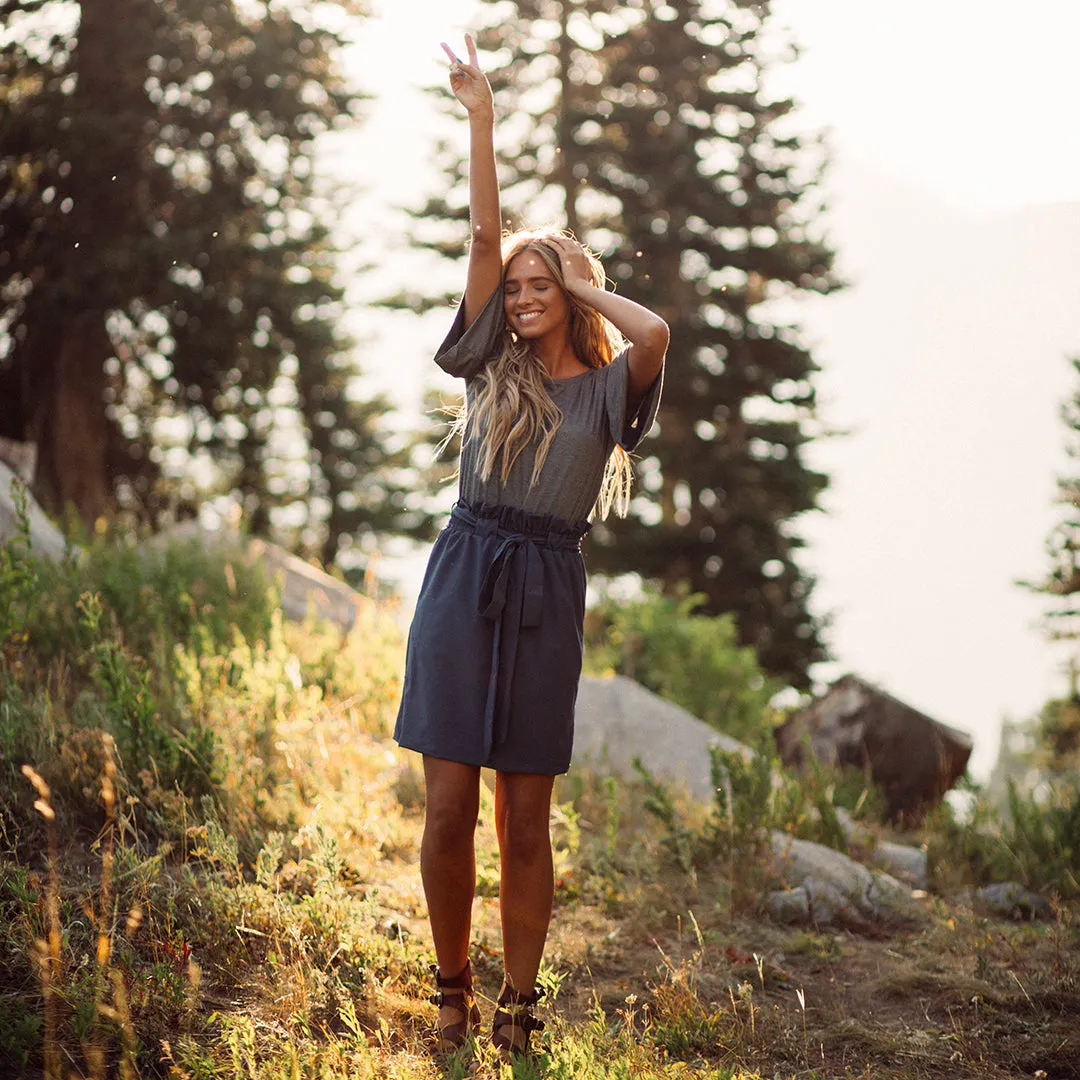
(471,88)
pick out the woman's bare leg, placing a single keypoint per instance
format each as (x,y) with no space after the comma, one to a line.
(448,857)
(527,881)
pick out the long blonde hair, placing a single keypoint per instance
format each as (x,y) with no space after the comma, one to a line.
(512,404)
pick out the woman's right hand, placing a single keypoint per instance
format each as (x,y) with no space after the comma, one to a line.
(467,81)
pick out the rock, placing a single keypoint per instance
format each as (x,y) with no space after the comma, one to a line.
(902,861)
(788,906)
(617,720)
(1013,901)
(913,758)
(840,891)
(46,540)
(855,832)
(20,457)
(306,588)
(829,906)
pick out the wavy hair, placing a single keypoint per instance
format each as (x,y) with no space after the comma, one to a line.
(512,406)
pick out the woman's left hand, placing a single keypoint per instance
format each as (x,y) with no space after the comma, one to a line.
(575,266)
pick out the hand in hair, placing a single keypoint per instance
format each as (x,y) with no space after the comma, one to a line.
(467,81)
(575,266)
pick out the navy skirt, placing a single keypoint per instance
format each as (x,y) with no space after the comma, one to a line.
(494,653)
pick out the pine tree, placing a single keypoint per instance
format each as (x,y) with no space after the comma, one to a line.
(167,285)
(1055,731)
(1062,580)
(652,124)
(718,205)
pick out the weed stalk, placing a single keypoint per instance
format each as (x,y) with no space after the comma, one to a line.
(49,957)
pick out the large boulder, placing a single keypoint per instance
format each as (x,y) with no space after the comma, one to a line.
(617,720)
(46,539)
(913,758)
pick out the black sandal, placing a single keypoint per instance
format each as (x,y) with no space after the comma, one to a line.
(457,993)
(514,1022)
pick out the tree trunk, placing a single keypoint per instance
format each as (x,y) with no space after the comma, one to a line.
(71,427)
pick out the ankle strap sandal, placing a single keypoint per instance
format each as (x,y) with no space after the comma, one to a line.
(514,1022)
(456,994)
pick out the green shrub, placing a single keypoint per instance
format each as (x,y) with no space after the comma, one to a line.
(1035,841)
(693,660)
(179,655)
(753,796)
(153,597)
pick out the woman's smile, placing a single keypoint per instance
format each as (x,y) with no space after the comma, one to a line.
(534,302)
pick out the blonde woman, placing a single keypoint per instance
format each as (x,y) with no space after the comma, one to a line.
(562,380)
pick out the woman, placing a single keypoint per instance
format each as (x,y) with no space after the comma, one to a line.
(494,653)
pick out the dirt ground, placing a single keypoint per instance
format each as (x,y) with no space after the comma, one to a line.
(959,995)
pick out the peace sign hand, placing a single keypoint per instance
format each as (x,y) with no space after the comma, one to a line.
(467,81)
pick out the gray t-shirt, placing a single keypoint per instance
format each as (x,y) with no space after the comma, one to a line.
(595,418)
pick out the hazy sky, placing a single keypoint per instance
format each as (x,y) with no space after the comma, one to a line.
(955,209)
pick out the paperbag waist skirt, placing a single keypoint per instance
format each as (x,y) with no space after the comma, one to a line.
(495,647)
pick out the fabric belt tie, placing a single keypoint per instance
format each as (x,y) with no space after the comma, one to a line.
(511,597)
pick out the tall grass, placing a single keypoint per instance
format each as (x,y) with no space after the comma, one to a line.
(166,718)
(208,858)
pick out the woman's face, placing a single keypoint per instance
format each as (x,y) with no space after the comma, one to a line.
(535,303)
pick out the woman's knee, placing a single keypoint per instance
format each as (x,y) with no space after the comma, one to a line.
(452,806)
(447,825)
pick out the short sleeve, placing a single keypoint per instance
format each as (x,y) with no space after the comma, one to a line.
(464,352)
(629,430)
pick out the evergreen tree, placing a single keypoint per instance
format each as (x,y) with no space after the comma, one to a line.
(651,122)
(1055,732)
(167,285)
(717,197)
(1062,580)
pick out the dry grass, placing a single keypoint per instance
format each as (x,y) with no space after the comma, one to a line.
(311,961)
(277,928)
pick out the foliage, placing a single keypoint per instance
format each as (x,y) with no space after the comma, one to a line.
(18,571)
(160,182)
(275,927)
(719,247)
(176,653)
(649,130)
(691,659)
(1031,840)
(753,797)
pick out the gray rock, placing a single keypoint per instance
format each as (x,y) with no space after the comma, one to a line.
(46,539)
(902,861)
(854,832)
(1013,901)
(617,720)
(840,890)
(829,906)
(789,906)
